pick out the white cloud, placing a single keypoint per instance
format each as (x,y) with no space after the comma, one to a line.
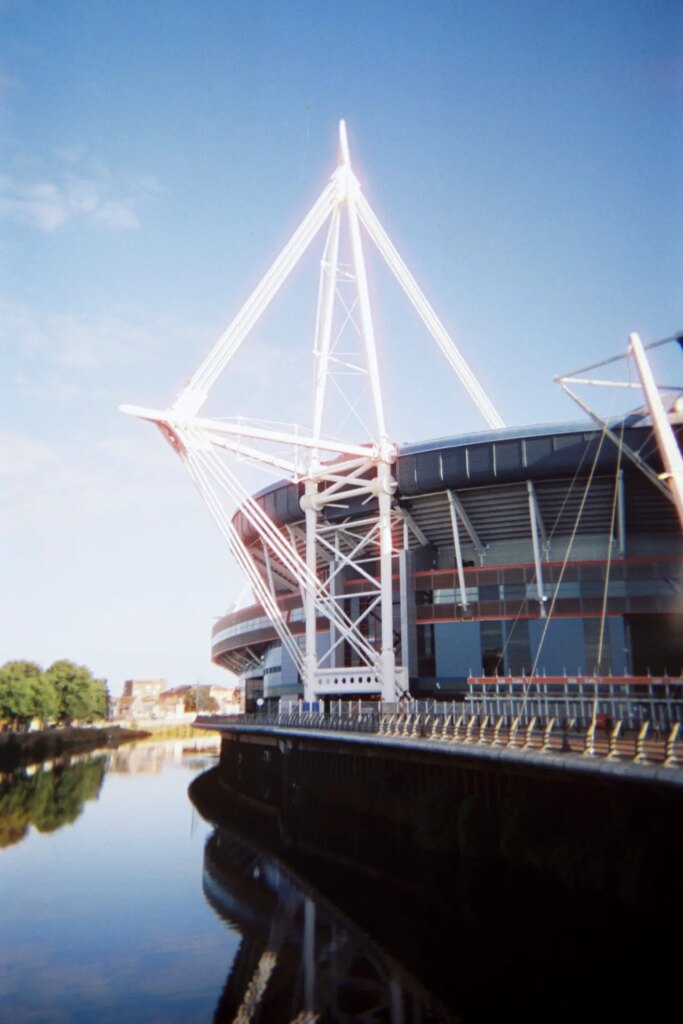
(40,205)
(50,488)
(72,342)
(119,216)
(82,191)
(51,388)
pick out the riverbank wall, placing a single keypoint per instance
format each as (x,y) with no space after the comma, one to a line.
(18,750)
(601,833)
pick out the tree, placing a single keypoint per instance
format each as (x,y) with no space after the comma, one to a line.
(197,699)
(20,682)
(81,697)
(66,692)
(100,699)
(45,700)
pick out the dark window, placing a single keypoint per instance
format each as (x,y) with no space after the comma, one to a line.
(492,648)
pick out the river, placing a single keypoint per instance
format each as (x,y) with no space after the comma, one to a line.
(119,902)
(102,916)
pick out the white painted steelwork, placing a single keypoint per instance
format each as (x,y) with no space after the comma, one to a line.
(670,482)
(332,472)
(668,446)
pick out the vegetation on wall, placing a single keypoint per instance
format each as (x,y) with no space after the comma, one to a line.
(196,700)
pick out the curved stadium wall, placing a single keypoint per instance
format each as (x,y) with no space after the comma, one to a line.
(608,547)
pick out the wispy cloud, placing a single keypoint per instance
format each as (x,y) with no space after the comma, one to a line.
(72,342)
(80,190)
(52,487)
(46,205)
(22,456)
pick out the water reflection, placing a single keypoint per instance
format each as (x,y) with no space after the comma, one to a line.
(301,957)
(150,757)
(47,799)
(462,903)
(49,796)
(105,920)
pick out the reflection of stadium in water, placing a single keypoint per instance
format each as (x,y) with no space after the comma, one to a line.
(301,959)
(417,890)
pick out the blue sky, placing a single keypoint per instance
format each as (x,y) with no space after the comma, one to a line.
(524,157)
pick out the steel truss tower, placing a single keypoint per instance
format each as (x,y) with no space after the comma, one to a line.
(332,472)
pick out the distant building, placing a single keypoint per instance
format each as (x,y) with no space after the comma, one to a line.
(206,699)
(171,705)
(148,700)
(143,689)
(140,698)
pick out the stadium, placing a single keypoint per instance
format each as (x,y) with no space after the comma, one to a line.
(521,551)
(382,570)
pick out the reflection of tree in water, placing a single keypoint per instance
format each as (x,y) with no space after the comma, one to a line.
(47,800)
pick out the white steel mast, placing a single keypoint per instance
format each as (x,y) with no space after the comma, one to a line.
(332,472)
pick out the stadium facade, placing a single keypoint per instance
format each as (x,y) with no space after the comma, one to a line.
(539,550)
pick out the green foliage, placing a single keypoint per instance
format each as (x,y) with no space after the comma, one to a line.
(197,699)
(65,693)
(13,670)
(45,700)
(81,697)
(18,682)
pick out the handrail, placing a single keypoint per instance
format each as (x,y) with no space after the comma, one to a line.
(641,741)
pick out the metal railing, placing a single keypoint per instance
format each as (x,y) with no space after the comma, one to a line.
(349,716)
(642,731)
(582,702)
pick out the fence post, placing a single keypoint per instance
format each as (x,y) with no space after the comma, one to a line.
(482,729)
(469,738)
(512,735)
(641,754)
(457,725)
(589,741)
(547,734)
(613,752)
(530,730)
(497,742)
(672,758)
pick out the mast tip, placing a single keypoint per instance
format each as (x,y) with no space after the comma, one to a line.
(344,142)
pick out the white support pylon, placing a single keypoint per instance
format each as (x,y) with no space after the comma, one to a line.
(668,446)
(669,483)
(333,471)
